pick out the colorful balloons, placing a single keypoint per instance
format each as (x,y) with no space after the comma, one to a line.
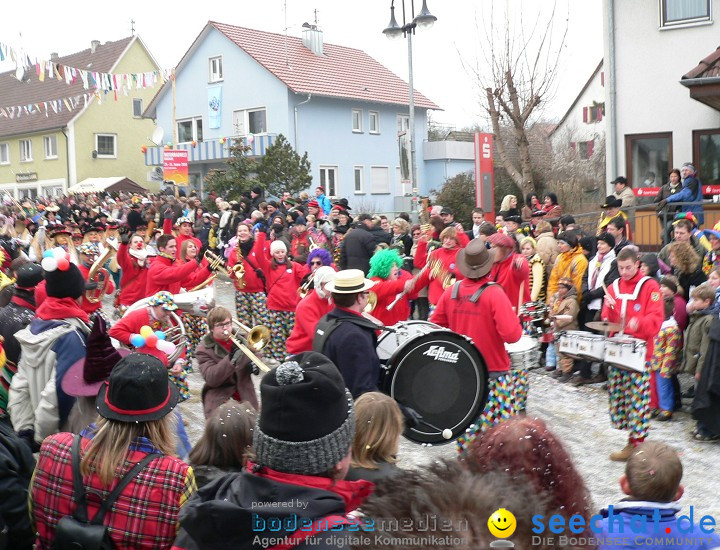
(160,334)
(137,340)
(146,331)
(62,264)
(151,340)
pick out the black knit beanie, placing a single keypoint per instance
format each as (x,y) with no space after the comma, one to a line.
(307,420)
(65,284)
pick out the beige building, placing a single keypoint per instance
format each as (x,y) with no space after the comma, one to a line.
(43,153)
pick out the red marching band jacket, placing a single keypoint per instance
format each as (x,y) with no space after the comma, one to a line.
(449,269)
(133,280)
(283,282)
(253,283)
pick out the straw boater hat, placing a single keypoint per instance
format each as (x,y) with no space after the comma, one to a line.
(474,261)
(349,281)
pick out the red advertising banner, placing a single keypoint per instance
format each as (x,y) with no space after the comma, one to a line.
(485,175)
(646,191)
(711,189)
(175,166)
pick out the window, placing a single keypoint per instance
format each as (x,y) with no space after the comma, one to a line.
(706,154)
(648,157)
(250,121)
(374,122)
(137,107)
(215,69)
(30,193)
(674,13)
(190,130)
(357,116)
(328,180)
(105,145)
(50,144)
(380,179)
(358,171)
(4,153)
(594,113)
(25,150)
(585,149)
(403,123)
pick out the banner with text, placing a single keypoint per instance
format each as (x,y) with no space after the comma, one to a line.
(175,166)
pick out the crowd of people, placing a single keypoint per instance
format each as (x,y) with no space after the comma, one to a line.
(312,462)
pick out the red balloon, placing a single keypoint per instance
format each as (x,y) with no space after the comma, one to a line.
(151,340)
(63,264)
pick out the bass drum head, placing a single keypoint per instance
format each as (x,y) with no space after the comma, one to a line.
(443,377)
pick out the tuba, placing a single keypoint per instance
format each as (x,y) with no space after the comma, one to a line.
(99,275)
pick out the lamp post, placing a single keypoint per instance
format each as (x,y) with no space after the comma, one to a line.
(393,31)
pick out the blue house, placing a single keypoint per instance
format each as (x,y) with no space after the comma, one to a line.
(337,103)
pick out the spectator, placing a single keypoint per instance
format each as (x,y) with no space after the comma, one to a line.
(669,288)
(611,210)
(358,246)
(546,245)
(697,334)
(667,213)
(509,206)
(571,263)
(532,204)
(617,228)
(226,443)
(553,211)
(686,267)
(712,257)
(401,238)
(564,316)
(649,266)
(706,404)
(690,193)
(537,269)
(322,200)
(624,192)
(596,277)
(664,365)
(477,220)
(379,425)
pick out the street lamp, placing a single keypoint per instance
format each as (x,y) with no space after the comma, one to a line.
(424,20)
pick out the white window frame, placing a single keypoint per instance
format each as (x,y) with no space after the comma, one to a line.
(372,187)
(243,128)
(328,168)
(374,115)
(403,123)
(193,120)
(215,70)
(102,156)
(26,156)
(359,128)
(5,147)
(50,140)
(361,170)
(137,100)
(682,23)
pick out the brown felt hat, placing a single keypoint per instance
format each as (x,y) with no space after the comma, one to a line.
(474,261)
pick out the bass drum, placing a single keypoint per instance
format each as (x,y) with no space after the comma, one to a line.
(436,372)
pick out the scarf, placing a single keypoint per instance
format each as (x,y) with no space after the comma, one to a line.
(166,256)
(24,299)
(60,308)
(598,264)
(246,247)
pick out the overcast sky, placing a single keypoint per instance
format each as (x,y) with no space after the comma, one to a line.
(169,28)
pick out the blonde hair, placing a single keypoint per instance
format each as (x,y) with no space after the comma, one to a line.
(685,256)
(505,204)
(402,224)
(543,227)
(378,425)
(703,292)
(449,233)
(109,448)
(183,249)
(228,437)
(654,472)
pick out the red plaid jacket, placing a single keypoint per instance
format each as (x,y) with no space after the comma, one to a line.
(144,516)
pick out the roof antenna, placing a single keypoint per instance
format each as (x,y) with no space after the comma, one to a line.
(316,19)
(132,27)
(287,62)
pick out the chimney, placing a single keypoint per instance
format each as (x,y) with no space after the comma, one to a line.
(312,38)
(94,45)
(54,56)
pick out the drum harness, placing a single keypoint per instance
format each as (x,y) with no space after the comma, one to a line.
(325,328)
(625,298)
(475,297)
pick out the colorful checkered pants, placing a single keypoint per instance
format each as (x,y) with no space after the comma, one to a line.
(196,327)
(181,383)
(522,387)
(500,406)
(251,309)
(281,325)
(629,393)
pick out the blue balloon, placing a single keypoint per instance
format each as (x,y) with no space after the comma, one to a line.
(48,254)
(137,340)
(160,334)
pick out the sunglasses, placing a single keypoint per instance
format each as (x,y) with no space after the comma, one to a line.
(316,263)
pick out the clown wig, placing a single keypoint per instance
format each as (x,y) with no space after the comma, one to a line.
(321,253)
(382,263)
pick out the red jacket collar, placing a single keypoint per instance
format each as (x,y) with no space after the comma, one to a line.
(60,308)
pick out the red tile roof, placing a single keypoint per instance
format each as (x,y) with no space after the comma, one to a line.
(342,72)
(707,68)
(13,92)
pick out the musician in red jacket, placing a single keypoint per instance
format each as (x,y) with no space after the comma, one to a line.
(317,303)
(440,266)
(478,308)
(635,302)
(184,229)
(283,279)
(88,254)
(167,274)
(132,257)
(155,315)
(510,270)
(250,304)
(390,281)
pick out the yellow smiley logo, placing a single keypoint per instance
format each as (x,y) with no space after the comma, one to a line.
(502,523)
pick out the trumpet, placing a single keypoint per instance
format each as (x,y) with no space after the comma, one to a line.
(216,264)
(371,303)
(256,338)
(305,289)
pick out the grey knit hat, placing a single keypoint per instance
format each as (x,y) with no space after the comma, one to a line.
(307,420)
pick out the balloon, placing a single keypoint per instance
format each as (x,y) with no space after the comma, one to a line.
(250,138)
(160,334)
(48,254)
(49,264)
(162,345)
(63,264)
(58,253)
(170,349)
(137,340)
(151,340)
(146,331)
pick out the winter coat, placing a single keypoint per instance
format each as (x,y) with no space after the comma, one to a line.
(307,314)
(223,378)
(384,471)
(358,247)
(689,281)
(204,475)
(691,192)
(706,405)
(593,296)
(537,278)
(546,247)
(571,264)
(133,280)
(668,345)
(232,511)
(14,317)
(627,197)
(567,305)
(697,340)
(169,275)
(16,469)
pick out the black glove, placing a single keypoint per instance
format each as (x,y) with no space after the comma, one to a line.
(412,417)
(253,368)
(28,436)
(125,238)
(662,204)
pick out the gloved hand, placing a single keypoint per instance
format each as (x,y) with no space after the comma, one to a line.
(236,356)
(28,436)
(252,368)
(662,204)
(412,417)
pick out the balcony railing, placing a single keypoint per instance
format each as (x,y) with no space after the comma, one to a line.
(212,149)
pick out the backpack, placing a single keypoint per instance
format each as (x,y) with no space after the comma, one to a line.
(325,328)
(76,532)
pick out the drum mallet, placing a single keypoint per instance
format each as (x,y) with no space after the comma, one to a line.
(446,433)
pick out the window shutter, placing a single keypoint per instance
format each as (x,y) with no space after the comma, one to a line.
(602,78)
(590,147)
(599,113)
(585,114)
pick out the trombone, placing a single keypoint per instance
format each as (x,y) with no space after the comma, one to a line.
(256,338)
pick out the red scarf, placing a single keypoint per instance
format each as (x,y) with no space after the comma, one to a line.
(22,303)
(226,344)
(60,308)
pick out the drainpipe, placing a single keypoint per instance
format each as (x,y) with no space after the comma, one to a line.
(67,157)
(612,95)
(309,97)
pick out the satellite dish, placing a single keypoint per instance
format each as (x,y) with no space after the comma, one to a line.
(157,135)
(20,73)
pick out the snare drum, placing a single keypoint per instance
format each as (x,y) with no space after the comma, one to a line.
(626,353)
(524,354)
(568,343)
(436,372)
(582,345)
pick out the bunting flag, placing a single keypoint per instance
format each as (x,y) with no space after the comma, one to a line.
(48,108)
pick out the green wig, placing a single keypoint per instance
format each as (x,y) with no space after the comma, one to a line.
(383,261)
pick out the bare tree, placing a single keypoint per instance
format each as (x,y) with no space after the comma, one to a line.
(515,75)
